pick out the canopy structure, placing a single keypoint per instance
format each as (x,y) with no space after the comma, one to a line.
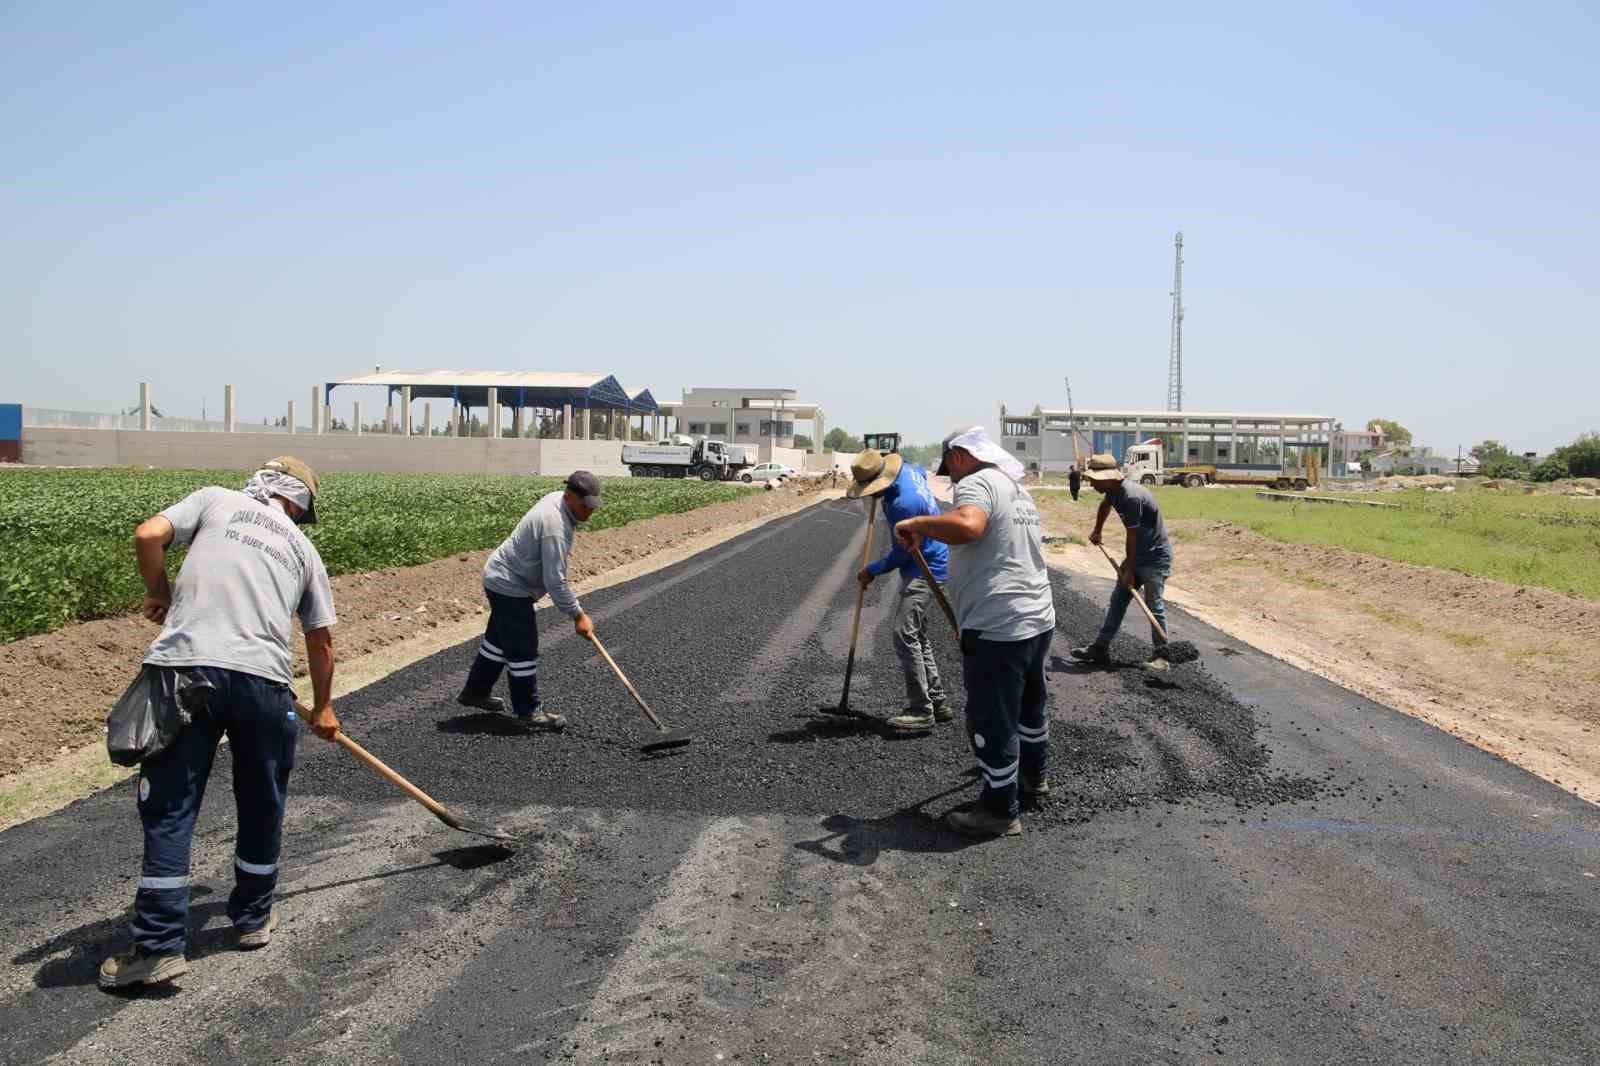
(470,388)
(640,402)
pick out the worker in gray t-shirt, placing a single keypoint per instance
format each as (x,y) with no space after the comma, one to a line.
(226,626)
(530,562)
(1005,608)
(1146,562)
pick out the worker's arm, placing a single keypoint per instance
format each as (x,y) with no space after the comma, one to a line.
(1130,553)
(150,542)
(319,658)
(553,556)
(962,525)
(1100,519)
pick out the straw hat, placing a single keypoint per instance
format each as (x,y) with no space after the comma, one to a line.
(1103,467)
(873,472)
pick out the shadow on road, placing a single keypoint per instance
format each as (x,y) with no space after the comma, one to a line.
(859,841)
(484,723)
(823,726)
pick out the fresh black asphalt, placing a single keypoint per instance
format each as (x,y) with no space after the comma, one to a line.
(1241,862)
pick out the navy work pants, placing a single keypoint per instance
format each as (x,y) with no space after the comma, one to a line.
(510,643)
(1008,723)
(258,717)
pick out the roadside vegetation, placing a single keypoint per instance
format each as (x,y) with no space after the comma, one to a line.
(1551,542)
(66,536)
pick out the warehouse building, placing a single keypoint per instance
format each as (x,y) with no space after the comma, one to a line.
(1042,438)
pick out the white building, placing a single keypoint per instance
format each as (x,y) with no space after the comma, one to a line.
(762,418)
(1421,459)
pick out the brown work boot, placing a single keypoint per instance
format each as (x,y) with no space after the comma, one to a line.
(1034,784)
(261,936)
(978,822)
(135,967)
(483,703)
(542,722)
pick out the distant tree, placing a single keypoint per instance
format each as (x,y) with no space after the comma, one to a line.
(838,440)
(1489,450)
(1507,467)
(804,442)
(1394,431)
(1582,456)
(1551,468)
(921,454)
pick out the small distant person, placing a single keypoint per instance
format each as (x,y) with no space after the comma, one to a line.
(903,490)
(1074,481)
(529,563)
(1146,560)
(1006,609)
(226,624)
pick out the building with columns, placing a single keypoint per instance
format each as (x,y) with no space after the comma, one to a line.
(762,418)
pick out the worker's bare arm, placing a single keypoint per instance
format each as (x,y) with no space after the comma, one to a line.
(1100,519)
(319,657)
(963,525)
(1129,554)
(150,543)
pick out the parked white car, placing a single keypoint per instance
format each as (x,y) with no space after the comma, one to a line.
(767,472)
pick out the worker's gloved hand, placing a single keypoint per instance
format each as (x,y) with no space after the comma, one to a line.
(155,607)
(323,722)
(1094,537)
(865,577)
(584,625)
(907,535)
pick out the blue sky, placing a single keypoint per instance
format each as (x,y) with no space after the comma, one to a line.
(910,212)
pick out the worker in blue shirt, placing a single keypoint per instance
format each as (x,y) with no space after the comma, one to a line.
(903,489)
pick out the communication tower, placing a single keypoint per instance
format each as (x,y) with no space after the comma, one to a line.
(1175,363)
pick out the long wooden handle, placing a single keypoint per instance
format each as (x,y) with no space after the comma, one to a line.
(439,809)
(938,593)
(643,706)
(1140,599)
(866,557)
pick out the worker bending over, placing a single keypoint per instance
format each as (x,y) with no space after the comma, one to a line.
(529,563)
(1006,611)
(1146,558)
(903,489)
(226,625)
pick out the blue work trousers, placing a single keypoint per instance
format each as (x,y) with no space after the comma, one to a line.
(510,643)
(1152,581)
(258,717)
(1008,722)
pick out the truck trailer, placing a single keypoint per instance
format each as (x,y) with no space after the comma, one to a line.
(1147,464)
(708,460)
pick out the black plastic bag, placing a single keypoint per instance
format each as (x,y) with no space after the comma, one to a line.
(152,712)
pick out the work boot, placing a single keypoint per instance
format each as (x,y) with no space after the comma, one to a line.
(911,722)
(262,936)
(978,822)
(943,712)
(1033,783)
(483,703)
(1093,653)
(135,967)
(542,722)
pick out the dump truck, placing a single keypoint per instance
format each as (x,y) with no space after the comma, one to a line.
(1147,464)
(683,456)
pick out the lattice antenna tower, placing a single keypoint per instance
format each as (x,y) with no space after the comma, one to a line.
(1175,362)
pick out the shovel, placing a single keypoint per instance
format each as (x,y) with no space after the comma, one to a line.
(938,593)
(1181,651)
(439,810)
(843,707)
(667,738)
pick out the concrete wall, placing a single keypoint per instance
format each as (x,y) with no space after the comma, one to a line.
(325,452)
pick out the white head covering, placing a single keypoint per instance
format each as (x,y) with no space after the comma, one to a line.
(265,484)
(983,448)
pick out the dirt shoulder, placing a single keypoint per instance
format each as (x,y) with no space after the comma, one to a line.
(55,689)
(1509,669)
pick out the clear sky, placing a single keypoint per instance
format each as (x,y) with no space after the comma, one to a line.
(910,212)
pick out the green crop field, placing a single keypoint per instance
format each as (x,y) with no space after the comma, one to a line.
(66,536)
(1548,541)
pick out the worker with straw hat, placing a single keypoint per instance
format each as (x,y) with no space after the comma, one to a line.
(1006,612)
(1146,560)
(903,490)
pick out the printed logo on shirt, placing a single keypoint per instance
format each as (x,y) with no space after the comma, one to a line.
(292,560)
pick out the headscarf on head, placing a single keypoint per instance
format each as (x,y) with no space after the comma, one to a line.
(265,484)
(983,448)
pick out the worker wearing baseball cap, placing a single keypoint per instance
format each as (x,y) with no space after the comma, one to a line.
(226,624)
(1004,605)
(529,563)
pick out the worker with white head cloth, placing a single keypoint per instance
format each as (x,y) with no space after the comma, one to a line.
(1004,606)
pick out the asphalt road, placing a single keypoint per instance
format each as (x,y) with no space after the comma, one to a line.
(1242,863)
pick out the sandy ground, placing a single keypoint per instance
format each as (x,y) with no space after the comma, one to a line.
(1509,669)
(55,689)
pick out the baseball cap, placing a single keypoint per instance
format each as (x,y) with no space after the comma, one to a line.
(300,470)
(586,487)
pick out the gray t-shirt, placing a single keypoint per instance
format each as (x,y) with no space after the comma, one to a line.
(999,584)
(533,560)
(248,573)
(1137,507)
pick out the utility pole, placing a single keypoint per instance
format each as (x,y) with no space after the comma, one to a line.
(1175,362)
